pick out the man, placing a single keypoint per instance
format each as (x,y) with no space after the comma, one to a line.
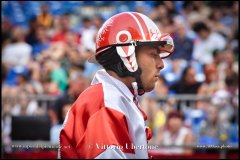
(206,43)
(106,120)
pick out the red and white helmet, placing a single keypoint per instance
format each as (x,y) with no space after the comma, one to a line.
(128,30)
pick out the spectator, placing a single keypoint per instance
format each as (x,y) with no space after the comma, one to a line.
(88,34)
(166,24)
(49,87)
(31,37)
(211,83)
(75,70)
(232,83)
(212,128)
(35,76)
(221,99)
(229,63)
(215,23)
(187,84)
(211,74)
(25,106)
(173,72)
(97,21)
(23,82)
(42,43)
(45,18)
(206,43)
(183,44)
(13,73)
(17,53)
(195,116)
(76,86)
(195,11)
(175,133)
(56,73)
(63,28)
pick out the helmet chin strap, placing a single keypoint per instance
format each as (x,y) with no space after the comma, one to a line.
(137,86)
(119,65)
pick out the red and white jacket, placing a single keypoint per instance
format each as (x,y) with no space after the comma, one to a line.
(105,122)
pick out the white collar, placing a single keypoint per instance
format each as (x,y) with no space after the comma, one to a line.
(102,76)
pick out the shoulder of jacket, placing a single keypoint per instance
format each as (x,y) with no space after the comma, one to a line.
(92,95)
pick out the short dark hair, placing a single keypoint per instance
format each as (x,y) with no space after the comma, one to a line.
(86,20)
(200,26)
(175,114)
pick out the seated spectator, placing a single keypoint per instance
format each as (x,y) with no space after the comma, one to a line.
(13,73)
(183,44)
(87,47)
(195,115)
(45,18)
(56,73)
(76,86)
(187,84)
(17,53)
(35,76)
(206,43)
(195,11)
(88,34)
(63,29)
(25,106)
(49,87)
(174,133)
(216,24)
(42,43)
(226,111)
(75,70)
(212,131)
(173,70)
(211,82)
(31,37)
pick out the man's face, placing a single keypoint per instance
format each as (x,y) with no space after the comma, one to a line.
(150,63)
(204,34)
(174,124)
(190,76)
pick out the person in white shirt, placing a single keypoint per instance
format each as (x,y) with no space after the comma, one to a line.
(175,134)
(206,43)
(17,53)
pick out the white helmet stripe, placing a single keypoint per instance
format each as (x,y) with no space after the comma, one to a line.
(143,22)
(152,28)
(139,25)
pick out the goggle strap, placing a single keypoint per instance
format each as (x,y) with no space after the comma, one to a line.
(136,43)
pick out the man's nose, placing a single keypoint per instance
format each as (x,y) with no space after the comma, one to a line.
(159,63)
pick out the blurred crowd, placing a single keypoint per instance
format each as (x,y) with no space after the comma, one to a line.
(49,57)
